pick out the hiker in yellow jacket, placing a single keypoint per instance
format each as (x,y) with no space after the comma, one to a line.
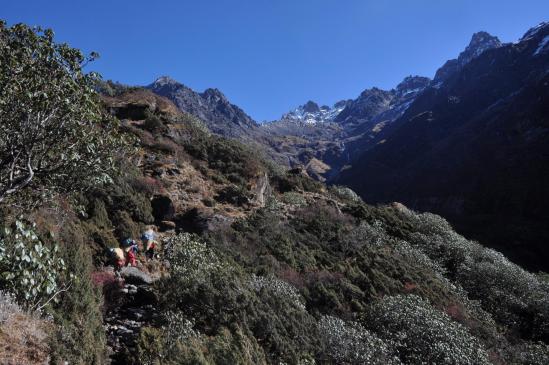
(118,257)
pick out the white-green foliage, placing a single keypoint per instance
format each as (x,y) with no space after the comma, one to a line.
(278,288)
(351,343)
(345,193)
(436,238)
(28,268)
(531,353)
(423,334)
(178,328)
(294,198)
(365,234)
(417,256)
(273,205)
(505,290)
(190,258)
(8,306)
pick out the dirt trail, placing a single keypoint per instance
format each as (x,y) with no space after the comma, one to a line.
(132,306)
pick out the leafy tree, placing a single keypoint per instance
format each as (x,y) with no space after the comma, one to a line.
(54,136)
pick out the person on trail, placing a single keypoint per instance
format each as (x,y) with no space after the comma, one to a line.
(149,243)
(118,257)
(130,247)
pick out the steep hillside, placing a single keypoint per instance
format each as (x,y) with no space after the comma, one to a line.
(283,269)
(188,168)
(473,148)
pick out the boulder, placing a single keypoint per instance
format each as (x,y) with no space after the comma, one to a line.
(167,225)
(198,220)
(132,275)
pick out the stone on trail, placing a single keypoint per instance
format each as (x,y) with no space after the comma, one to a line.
(132,275)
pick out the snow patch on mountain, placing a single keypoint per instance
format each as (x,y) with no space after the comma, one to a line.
(542,46)
(533,31)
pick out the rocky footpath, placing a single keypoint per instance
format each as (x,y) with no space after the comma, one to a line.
(133,306)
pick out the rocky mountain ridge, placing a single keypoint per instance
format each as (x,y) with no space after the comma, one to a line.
(311,113)
(480,42)
(333,145)
(330,135)
(313,135)
(210,106)
(473,149)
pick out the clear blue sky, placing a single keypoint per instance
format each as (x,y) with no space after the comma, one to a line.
(270,55)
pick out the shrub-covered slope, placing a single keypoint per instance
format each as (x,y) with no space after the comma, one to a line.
(296,272)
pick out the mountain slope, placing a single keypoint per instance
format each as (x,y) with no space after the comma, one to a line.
(285,268)
(474,148)
(210,106)
(480,42)
(311,113)
(313,135)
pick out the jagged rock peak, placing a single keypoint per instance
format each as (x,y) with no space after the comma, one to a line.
(374,92)
(311,107)
(165,80)
(214,94)
(480,42)
(532,32)
(342,103)
(210,106)
(311,113)
(412,84)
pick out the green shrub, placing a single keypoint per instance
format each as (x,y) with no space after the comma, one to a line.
(422,334)
(294,198)
(351,343)
(150,345)
(237,162)
(345,193)
(154,125)
(125,226)
(295,181)
(28,268)
(55,135)
(234,195)
(80,337)
(203,282)
(515,297)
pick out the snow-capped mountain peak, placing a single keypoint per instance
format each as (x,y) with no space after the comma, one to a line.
(312,113)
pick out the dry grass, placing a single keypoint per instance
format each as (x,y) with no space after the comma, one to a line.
(23,336)
(144,97)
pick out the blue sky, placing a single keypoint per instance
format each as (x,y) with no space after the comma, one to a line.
(268,56)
